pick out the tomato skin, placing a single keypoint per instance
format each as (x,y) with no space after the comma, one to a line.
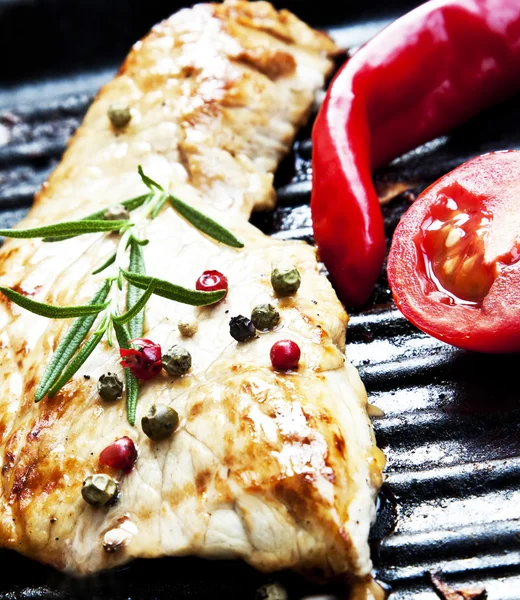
(427,72)
(491,185)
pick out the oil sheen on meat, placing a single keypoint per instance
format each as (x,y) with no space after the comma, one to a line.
(280,470)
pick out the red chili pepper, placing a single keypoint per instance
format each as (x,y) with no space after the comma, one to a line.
(144,361)
(121,454)
(427,72)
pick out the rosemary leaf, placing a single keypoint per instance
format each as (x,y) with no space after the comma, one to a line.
(132,383)
(134,293)
(159,205)
(72,340)
(69,228)
(109,261)
(174,292)
(130,205)
(137,308)
(123,337)
(205,224)
(76,362)
(132,395)
(149,183)
(50,311)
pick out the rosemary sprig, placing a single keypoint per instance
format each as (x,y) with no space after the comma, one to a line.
(205,224)
(199,220)
(68,346)
(172,291)
(148,181)
(76,363)
(49,311)
(136,310)
(130,205)
(104,308)
(132,383)
(157,208)
(109,261)
(112,258)
(136,265)
(68,228)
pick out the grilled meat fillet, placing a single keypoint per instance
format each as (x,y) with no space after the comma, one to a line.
(280,470)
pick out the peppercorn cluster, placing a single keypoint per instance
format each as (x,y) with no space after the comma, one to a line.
(145,360)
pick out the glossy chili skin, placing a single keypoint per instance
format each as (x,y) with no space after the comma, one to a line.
(424,74)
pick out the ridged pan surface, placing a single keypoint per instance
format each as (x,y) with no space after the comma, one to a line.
(451,424)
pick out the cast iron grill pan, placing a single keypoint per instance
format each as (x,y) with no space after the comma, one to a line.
(451,501)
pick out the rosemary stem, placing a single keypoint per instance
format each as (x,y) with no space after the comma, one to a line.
(125,266)
(115,300)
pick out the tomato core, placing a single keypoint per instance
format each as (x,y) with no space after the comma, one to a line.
(453,241)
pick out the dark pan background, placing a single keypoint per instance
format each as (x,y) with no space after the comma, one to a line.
(451,501)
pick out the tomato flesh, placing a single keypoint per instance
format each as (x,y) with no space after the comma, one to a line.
(452,239)
(454,263)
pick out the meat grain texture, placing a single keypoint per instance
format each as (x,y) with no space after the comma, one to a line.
(280,470)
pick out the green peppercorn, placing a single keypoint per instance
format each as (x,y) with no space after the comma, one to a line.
(99,489)
(176,361)
(265,317)
(160,422)
(110,387)
(271,591)
(119,115)
(285,280)
(241,329)
(116,213)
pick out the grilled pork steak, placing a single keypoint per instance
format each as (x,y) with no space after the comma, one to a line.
(278,469)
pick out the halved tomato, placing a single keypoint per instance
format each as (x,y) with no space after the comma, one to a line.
(454,265)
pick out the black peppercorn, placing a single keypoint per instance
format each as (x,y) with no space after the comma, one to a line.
(241,328)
